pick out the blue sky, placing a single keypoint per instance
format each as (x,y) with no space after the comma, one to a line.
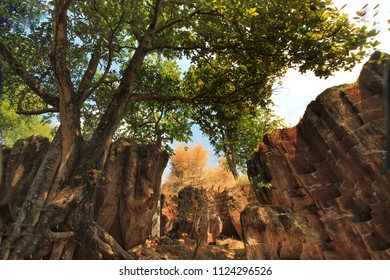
(298,90)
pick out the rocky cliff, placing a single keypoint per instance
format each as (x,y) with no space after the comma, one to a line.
(326,177)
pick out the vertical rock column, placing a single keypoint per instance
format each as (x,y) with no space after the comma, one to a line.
(127,204)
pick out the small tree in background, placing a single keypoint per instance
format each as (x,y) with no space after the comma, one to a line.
(189,167)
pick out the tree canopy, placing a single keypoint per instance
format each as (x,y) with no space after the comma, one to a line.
(237,50)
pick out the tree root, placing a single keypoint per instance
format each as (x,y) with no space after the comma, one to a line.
(40,241)
(55,228)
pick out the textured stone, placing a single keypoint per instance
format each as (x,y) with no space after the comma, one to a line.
(223,206)
(22,164)
(3,189)
(127,204)
(276,233)
(192,220)
(228,205)
(329,170)
(126,201)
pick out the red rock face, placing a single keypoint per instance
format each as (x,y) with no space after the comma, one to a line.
(329,170)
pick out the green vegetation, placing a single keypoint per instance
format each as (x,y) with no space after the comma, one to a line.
(14,126)
(259,182)
(237,51)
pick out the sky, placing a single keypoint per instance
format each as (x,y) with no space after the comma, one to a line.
(298,90)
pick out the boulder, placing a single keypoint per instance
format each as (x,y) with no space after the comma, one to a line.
(275,233)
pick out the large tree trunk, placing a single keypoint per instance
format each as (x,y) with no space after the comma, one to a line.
(59,204)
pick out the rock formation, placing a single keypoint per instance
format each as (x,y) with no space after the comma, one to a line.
(126,200)
(22,164)
(221,207)
(3,190)
(274,232)
(328,170)
(125,206)
(228,204)
(168,214)
(192,220)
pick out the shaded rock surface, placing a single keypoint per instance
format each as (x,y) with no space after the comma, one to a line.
(329,171)
(274,232)
(126,200)
(221,208)
(192,220)
(229,204)
(22,163)
(3,189)
(127,203)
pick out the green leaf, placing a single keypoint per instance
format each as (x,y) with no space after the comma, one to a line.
(235,60)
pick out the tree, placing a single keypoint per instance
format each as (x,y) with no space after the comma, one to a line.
(67,51)
(235,134)
(146,121)
(188,167)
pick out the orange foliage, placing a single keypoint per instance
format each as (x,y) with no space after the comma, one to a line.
(189,162)
(219,177)
(189,168)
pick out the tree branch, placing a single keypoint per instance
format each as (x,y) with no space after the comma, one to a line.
(157,13)
(37,112)
(29,79)
(179,20)
(186,100)
(58,53)
(110,120)
(98,83)
(91,70)
(198,48)
(68,105)
(21,111)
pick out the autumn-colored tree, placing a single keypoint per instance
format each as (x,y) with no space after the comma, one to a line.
(189,167)
(219,177)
